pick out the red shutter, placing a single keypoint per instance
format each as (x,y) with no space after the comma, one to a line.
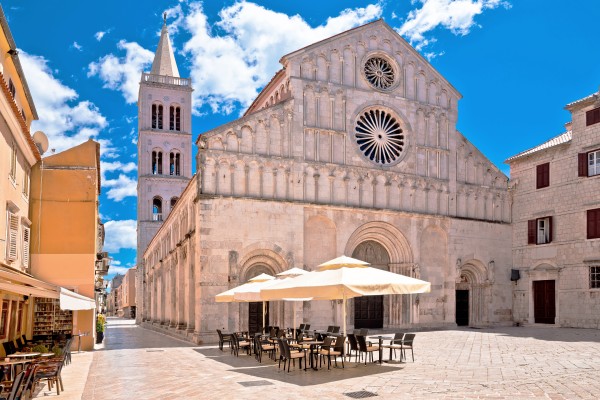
(593,223)
(531,231)
(539,176)
(549,229)
(592,117)
(582,163)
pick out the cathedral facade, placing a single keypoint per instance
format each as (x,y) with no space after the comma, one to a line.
(351,149)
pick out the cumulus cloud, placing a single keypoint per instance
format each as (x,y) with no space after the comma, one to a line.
(123,73)
(455,15)
(250,41)
(120,235)
(77,46)
(121,187)
(66,121)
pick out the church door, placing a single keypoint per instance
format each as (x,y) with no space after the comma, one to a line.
(255,312)
(462,307)
(543,302)
(368,310)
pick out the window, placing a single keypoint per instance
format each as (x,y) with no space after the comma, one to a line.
(11,88)
(539,231)
(13,162)
(174,164)
(589,163)
(4,320)
(26,241)
(157,163)
(173,202)
(592,117)
(157,209)
(594,277)
(542,176)
(593,223)
(26,183)
(175,118)
(157,116)
(13,234)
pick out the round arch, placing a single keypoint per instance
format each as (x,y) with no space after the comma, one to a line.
(385,234)
(261,260)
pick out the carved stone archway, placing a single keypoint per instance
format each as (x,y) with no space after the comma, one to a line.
(399,310)
(473,278)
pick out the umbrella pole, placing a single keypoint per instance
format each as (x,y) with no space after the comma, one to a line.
(294,327)
(344,313)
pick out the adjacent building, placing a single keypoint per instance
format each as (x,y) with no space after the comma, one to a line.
(127,294)
(352,149)
(556,224)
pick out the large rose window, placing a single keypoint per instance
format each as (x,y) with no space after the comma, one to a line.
(379,136)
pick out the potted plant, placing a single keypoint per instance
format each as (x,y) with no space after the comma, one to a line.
(100,323)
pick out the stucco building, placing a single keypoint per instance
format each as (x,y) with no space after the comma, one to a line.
(352,149)
(556,224)
(127,294)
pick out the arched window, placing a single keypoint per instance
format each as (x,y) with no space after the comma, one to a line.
(157,163)
(175,164)
(157,209)
(173,201)
(157,116)
(175,118)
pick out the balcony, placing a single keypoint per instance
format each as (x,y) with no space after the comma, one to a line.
(166,80)
(157,217)
(102,263)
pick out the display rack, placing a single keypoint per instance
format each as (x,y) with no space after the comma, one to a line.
(50,323)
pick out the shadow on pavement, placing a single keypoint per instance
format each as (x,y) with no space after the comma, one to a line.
(268,369)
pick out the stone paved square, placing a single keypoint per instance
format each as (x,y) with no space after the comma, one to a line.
(500,363)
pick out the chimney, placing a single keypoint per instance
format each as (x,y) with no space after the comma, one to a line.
(569,125)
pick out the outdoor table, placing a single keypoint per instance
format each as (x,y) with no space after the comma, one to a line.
(312,345)
(23,355)
(12,364)
(381,338)
(45,355)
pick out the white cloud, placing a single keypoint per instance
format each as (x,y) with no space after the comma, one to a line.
(121,187)
(455,15)
(253,39)
(123,73)
(120,235)
(77,46)
(114,269)
(66,121)
(99,35)
(116,166)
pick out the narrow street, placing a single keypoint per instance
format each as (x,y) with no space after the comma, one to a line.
(503,363)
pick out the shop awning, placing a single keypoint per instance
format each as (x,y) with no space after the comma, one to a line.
(12,281)
(70,300)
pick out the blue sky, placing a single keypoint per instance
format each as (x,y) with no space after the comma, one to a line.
(516,63)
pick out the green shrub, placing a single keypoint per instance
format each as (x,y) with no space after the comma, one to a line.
(40,348)
(99,326)
(57,351)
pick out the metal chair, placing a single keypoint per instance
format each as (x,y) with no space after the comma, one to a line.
(363,347)
(223,338)
(407,343)
(395,344)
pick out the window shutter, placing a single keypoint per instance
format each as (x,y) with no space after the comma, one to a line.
(13,234)
(539,176)
(592,117)
(26,235)
(593,223)
(549,229)
(582,161)
(531,231)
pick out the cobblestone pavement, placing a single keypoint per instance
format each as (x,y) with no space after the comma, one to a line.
(501,363)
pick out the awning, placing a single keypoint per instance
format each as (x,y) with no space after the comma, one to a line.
(70,300)
(12,281)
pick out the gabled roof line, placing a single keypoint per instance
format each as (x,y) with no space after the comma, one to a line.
(563,138)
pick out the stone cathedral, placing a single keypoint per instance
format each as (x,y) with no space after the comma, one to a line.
(350,149)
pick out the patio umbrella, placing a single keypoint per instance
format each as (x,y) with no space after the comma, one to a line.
(344,278)
(251,292)
(229,295)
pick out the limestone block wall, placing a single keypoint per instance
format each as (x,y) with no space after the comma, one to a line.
(567,259)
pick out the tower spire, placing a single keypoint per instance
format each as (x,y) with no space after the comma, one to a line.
(164,59)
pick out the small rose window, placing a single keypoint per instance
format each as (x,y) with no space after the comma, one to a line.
(379,73)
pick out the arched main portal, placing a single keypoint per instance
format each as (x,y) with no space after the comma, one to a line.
(255,309)
(368,310)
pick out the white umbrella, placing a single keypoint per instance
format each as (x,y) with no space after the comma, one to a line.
(230,295)
(344,278)
(251,291)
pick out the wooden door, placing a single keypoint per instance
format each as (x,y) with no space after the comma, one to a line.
(368,312)
(255,311)
(462,307)
(544,304)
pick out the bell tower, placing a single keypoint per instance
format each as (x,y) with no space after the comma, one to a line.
(164,146)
